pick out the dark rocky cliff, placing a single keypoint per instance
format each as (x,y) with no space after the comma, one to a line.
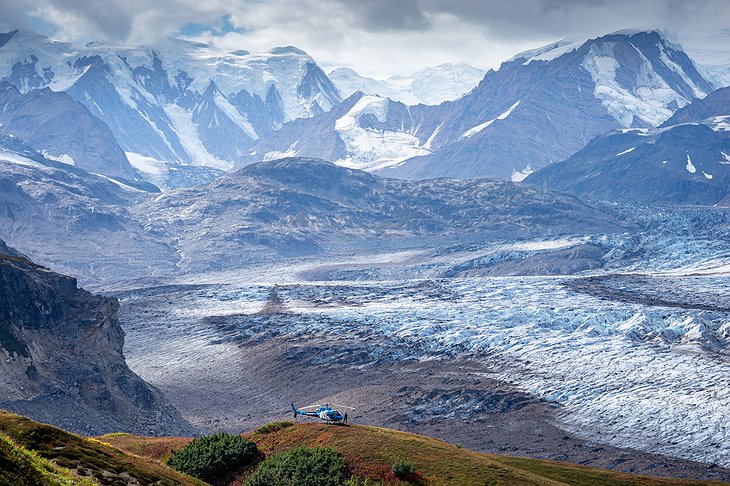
(61,357)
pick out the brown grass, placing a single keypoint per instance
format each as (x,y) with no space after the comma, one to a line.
(371,451)
(157,448)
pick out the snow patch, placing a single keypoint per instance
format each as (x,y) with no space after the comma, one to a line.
(430,140)
(18,159)
(63,158)
(698,93)
(690,166)
(707,176)
(648,101)
(145,164)
(726,157)
(234,115)
(626,151)
(519,176)
(474,130)
(642,132)
(182,122)
(720,123)
(550,51)
(274,154)
(121,185)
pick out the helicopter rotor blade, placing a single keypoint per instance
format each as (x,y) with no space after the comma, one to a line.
(345,406)
(308,406)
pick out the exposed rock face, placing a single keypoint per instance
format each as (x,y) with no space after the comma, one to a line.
(716,103)
(62,129)
(61,357)
(685,161)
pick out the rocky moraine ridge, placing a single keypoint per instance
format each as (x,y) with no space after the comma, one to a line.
(61,357)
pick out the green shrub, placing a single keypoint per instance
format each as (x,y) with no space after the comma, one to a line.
(403,469)
(213,456)
(273,427)
(304,466)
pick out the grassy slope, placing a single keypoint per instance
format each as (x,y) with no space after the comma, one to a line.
(157,448)
(370,452)
(87,458)
(21,467)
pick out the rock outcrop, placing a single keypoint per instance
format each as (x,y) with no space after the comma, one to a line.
(61,357)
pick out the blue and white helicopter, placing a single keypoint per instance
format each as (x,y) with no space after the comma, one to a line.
(324,413)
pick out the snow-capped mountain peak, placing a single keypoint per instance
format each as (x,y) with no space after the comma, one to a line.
(185,105)
(430,86)
(536,109)
(550,51)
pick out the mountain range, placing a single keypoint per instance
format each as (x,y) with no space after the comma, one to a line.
(181,113)
(177,106)
(538,108)
(619,109)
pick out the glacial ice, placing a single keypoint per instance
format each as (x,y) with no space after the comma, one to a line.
(654,378)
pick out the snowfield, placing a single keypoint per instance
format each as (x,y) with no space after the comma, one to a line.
(370,148)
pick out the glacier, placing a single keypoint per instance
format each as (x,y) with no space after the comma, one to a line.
(654,378)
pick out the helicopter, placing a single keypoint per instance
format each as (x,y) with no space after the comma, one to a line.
(324,412)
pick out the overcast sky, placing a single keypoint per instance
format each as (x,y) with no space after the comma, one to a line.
(376,37)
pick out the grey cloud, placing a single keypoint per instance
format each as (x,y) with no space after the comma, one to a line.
(13,15)
(113,19)
(375,36)
(525,19)
(516,19)
(385,15)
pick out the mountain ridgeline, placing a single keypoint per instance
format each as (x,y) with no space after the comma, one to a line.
(289,207)
(176,108)
(537,109)
(180,114)
(685,161)
(297,206)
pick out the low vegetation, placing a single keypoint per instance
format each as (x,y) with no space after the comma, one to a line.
(403,469)
(299,454)
(303,466)
(157,448)
(371,452)
(34,446)
(21,467)
(273,427)
(213,456)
